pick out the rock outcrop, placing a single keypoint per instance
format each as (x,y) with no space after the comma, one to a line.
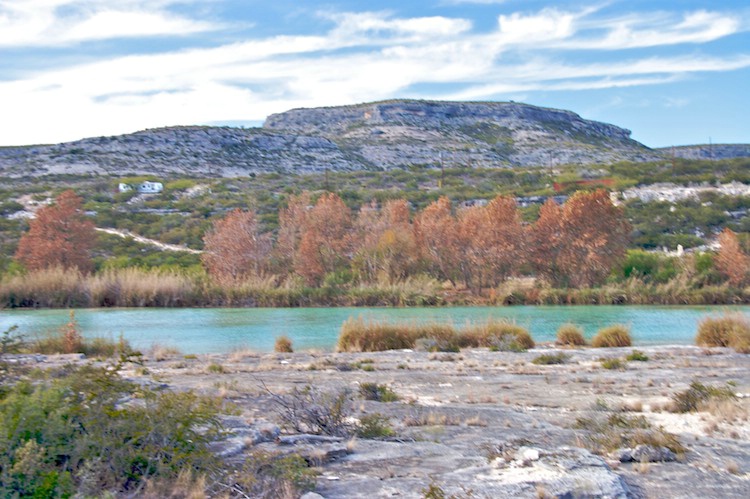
(709,151)
(377,136)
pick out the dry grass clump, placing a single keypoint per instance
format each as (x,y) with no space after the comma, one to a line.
(612,336)
(570,335)
(283,345)
(358,335)
(497,335)
(68,339)
(730,330)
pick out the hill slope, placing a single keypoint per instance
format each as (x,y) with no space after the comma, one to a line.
(379,135)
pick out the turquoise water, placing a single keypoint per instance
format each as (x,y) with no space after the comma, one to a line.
(200,330)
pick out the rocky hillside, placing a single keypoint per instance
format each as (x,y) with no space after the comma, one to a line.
(378,135)
(709,151)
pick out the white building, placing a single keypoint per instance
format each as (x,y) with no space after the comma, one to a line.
(148,187)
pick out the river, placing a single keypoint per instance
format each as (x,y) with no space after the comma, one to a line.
(219,330)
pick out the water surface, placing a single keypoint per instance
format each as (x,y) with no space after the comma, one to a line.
(202,330)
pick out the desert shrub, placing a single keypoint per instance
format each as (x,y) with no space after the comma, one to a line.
(215,368)
(570,335)
(374,426)
(309,410)
(731,330)
(12,342)
(614,364)
(72,434)
(268,475)
(637,356)
(379,393)
(612,336)
(608,432)
(551,358)
(699,394)
(283,345)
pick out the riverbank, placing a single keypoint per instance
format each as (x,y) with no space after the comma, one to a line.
(488,424)
(134,287)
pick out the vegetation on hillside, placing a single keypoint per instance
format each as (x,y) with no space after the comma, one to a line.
(458,233)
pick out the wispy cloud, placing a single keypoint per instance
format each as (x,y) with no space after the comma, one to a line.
(362,56)
(25,23)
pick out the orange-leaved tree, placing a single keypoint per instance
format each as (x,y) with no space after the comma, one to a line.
(234,249)
(59,236)
(291,226)
(437,237)
(326,242)
(386,246)
(580,242)
(731,261)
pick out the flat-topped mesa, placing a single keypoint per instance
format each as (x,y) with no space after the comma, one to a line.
(332,121)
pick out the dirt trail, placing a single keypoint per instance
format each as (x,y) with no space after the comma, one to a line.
(151,242)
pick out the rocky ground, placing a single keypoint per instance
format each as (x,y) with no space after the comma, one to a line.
(488,424)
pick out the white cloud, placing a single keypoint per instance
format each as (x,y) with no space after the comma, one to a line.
(364,56)
(25,23)
(547,25)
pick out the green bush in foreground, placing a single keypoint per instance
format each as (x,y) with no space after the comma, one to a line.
(612,336)
(570,335)
(731,330)
(73,434)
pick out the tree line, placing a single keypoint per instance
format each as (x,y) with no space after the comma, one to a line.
(571,245)
(323,242)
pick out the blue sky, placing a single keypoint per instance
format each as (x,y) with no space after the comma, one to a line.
(673,72)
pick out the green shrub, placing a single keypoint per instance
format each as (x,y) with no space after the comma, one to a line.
(379,393)
(614,364)
(551,358)
(637,356)
(612,336)
(374,426)
(570,335)
(698,394)
(283,345)
(608,432)
(268,474)
(11,342)
(215,368)
(730,330)
(72,434)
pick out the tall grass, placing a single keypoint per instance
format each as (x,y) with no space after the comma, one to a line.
(612,336)
(359,335)
(136,287)
(730,330)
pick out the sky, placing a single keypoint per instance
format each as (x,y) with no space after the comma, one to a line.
(673,72)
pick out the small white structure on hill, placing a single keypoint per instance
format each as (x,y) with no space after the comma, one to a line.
(123,187)
(148,187)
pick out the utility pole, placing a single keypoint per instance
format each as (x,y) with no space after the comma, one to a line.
(442,171)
